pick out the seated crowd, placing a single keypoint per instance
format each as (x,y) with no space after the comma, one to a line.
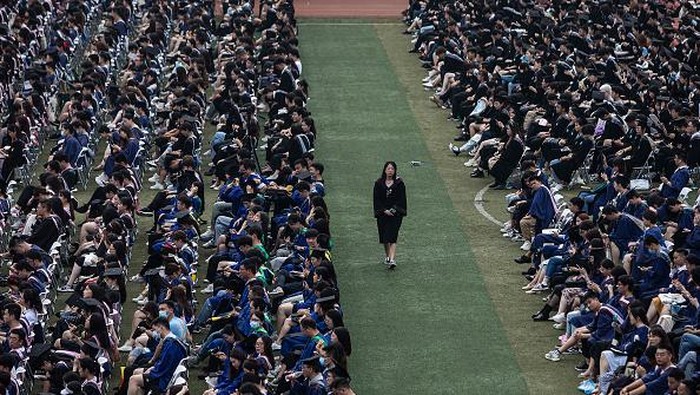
(548,95)
(124,87)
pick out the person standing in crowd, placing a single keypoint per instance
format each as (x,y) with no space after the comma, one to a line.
(389,210)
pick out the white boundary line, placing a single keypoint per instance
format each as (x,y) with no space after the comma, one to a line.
(479,204)
(349,24)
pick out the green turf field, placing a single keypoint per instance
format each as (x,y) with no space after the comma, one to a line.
(451,319)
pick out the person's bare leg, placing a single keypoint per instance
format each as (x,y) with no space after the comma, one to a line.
(135,385)
(284,311)
(284,330)
(75,272)
(627,263)
(652,314)
(392,251)
(603,365)
(615,253)
(570,342)
(563,303)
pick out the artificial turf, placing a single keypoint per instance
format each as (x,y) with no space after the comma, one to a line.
(430,326)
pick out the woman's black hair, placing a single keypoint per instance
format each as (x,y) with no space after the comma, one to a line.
(98,329)
(267,341)
(336,316)
(336,351)
(32,299)
(396,169)
(343,336)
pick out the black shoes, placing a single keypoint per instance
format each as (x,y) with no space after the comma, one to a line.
(523,259)
(477,173)
(540,316)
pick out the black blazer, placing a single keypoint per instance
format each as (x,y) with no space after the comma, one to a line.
(388,198)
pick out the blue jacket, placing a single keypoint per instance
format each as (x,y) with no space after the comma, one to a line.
(678,180)
(543,207)
(655,277)
(692,242)
(601,328)
(72,148)
(171,354)
(625,230)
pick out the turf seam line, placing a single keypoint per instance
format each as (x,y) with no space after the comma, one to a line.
(479,204)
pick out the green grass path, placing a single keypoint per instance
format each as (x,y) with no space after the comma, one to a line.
(430,326)
(494,255)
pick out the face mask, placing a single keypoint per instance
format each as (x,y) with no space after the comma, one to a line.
(255,324)
(322,361)
(163,313)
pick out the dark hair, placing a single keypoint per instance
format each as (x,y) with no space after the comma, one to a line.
(577,201)
(650,215)
(676,373)
(14,310)
(648,240)
(336,351)
(308,323)
(610,209)
(98,329)
(638,311)
(396,169)
(343,336)
(32,299)
(161,321)
(90,365)
(267,352)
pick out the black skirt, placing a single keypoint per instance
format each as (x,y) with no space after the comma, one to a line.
(388,228)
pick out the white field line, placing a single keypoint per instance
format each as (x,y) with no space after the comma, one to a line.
(479,204)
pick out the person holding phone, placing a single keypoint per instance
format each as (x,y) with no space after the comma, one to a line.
(389,210)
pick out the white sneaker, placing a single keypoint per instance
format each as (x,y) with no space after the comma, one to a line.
(66,289)
(526,245)
(211,381)
(125,348)
(157,186)
(209,289)
(538,288)
(470,163)
(101,180)
(509,234)
(558,318)
(427,85)
(517,237)
(154,178)
(554,356)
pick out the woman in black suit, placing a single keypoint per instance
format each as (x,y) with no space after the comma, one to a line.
(389,210)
